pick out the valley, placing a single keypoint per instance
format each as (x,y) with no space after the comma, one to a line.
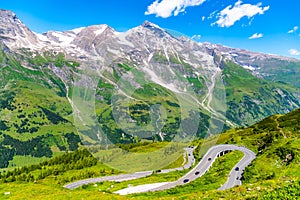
(76,104)
(260,180)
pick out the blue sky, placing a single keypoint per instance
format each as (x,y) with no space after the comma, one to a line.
(269,26)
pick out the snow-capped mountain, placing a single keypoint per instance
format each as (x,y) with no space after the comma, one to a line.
(88,42)
(85,39)
(14,33)
(257,63)
(148,52)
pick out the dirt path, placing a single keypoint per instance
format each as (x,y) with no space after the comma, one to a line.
(279,128)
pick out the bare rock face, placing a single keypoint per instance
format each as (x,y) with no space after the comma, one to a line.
(288,158)
(13,32)
(139,44)
(150,53)
(89,37)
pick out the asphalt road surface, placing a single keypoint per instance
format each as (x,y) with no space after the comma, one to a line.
(125,177)
(202,167)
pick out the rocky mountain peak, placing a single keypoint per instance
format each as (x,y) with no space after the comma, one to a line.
(148,24)
(10,24)
(158,31)
(13,32)
(6,14)
(96,30)
(88,41)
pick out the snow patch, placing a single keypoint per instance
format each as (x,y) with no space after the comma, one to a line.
(123,40)
(63,38)
(101,30)
(166,54)
(249,67)
(140,188)
(150,57)
(157,80)
(41,37)
(77,30)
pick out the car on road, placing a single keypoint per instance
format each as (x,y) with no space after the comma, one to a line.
(209,159)
(186,180)
(237,169)
(197,173)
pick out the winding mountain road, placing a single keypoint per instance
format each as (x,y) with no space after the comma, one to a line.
(199,170)
(136,175)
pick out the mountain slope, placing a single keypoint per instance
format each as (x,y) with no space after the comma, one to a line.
(162,87)
(271,67)
(276,142)
(274,173)
(250,98)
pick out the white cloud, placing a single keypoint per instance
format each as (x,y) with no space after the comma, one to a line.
(203,18)
(294,29)
(212,14)
(196,37)
(167,8)
(294,52)
(232,14)
(256,36)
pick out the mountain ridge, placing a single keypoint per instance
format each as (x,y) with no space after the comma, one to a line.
(86,70)
(82,44)
(272,175)
(9,14)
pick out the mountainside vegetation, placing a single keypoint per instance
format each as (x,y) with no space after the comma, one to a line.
(37,116)
(135,107)
(75,109)
(250,99)
(273,174)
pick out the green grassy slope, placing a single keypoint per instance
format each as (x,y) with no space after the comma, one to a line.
(37,118)
(276,140)
(280,70)
(35,122)
(273,174)
(250,99)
